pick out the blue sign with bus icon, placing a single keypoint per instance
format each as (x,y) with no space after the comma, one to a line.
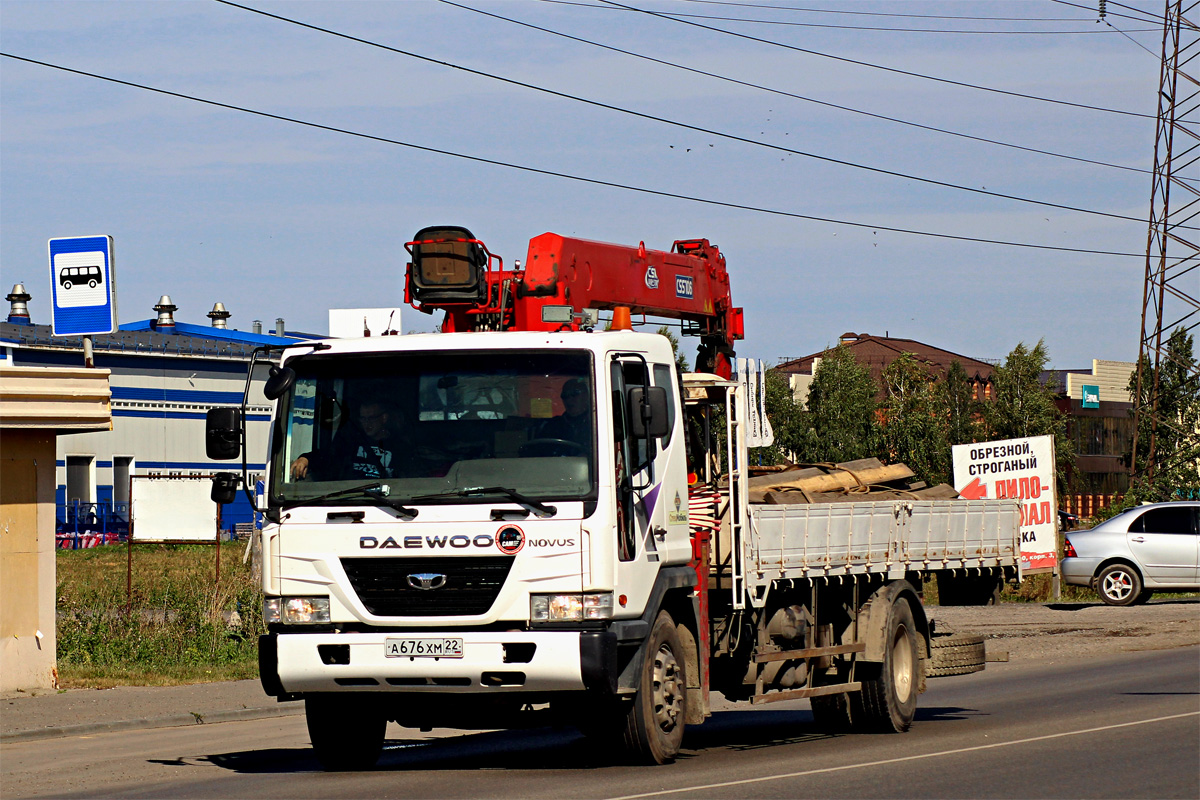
(82,286)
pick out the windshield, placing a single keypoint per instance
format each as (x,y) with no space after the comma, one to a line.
(437,424)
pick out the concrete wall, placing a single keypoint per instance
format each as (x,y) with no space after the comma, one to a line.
(36,406)
(27,575)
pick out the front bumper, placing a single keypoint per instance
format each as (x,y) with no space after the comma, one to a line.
(493,661)
(1079,571)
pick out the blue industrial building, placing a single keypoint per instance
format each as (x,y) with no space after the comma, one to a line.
(165,375)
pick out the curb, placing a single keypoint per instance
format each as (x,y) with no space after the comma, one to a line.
(144,723)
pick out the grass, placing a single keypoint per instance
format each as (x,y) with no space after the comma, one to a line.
(179,624)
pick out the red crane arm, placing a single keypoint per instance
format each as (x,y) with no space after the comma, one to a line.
(689,283)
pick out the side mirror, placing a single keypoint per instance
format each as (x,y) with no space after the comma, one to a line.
(224,487)
(223,433)
(648,417)
(278,382)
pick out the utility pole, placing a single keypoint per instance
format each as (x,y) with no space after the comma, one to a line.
(1170,281)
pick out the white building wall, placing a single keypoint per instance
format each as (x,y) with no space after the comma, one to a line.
(1111,376)
(158,419)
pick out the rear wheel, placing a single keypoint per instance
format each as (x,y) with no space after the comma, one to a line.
(833,713)
(889,689)
(1119,585)
(346,730)
(654,724)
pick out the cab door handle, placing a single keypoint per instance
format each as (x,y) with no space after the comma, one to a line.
(1137,539)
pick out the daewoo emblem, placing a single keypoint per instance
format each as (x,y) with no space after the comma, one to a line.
(426,581)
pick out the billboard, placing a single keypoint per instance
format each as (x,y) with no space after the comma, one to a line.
(1020,469)
(172,508)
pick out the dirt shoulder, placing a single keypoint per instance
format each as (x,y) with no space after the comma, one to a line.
(1061,632)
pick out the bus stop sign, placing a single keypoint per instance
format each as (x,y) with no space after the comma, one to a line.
(83,286)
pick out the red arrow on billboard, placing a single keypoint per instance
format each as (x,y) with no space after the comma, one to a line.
(974,490)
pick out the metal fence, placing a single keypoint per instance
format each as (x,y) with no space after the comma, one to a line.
(81,525)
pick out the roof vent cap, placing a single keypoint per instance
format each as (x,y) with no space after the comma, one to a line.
(18,314)
(166,310)
(218,315)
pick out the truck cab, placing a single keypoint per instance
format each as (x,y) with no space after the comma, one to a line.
(456,514)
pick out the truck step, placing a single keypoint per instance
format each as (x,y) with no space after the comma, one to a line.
(812,652)
(797,694)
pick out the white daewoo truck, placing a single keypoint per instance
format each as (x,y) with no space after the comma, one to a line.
(522,518)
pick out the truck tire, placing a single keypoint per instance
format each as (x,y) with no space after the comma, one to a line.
(956,654)
(346,731)
(833,713)
(889,689)
(653,730)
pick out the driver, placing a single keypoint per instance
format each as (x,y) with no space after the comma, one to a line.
(575,423)
(370,448)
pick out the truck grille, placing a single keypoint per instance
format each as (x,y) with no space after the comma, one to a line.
(470,588)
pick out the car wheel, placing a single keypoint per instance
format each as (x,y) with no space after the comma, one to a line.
(1119,585)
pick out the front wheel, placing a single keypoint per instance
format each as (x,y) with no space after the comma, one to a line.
(346,731)
(889,689)
(654,724)
(1119,585)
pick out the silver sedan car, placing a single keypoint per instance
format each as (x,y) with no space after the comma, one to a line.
(1151,548)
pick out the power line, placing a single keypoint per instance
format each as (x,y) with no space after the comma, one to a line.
(886,29)
(860,63)
(792,95)
(684,125)
(564,175)
(1147,16)
(883,13)
(1153,54)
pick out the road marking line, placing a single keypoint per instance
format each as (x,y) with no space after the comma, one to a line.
(900,759)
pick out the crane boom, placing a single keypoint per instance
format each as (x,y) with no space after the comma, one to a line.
(453,271)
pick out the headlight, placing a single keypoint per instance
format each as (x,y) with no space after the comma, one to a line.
(570,607)
(296,610)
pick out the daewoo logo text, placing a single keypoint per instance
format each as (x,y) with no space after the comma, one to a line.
(458,541)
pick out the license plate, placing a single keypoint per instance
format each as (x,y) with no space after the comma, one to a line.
(423,648)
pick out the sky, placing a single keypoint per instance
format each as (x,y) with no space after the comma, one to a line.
(278,219)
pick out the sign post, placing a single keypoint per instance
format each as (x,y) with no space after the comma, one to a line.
(83,288)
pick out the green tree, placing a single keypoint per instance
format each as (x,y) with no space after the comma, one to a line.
(1023,406)
(681,362)
(913,428)
(841,410)
(1177,440)
(960,410)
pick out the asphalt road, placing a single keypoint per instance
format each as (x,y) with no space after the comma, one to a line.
(1124,727)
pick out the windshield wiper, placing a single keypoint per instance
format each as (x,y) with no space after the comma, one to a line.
(536,506)
(375,490)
